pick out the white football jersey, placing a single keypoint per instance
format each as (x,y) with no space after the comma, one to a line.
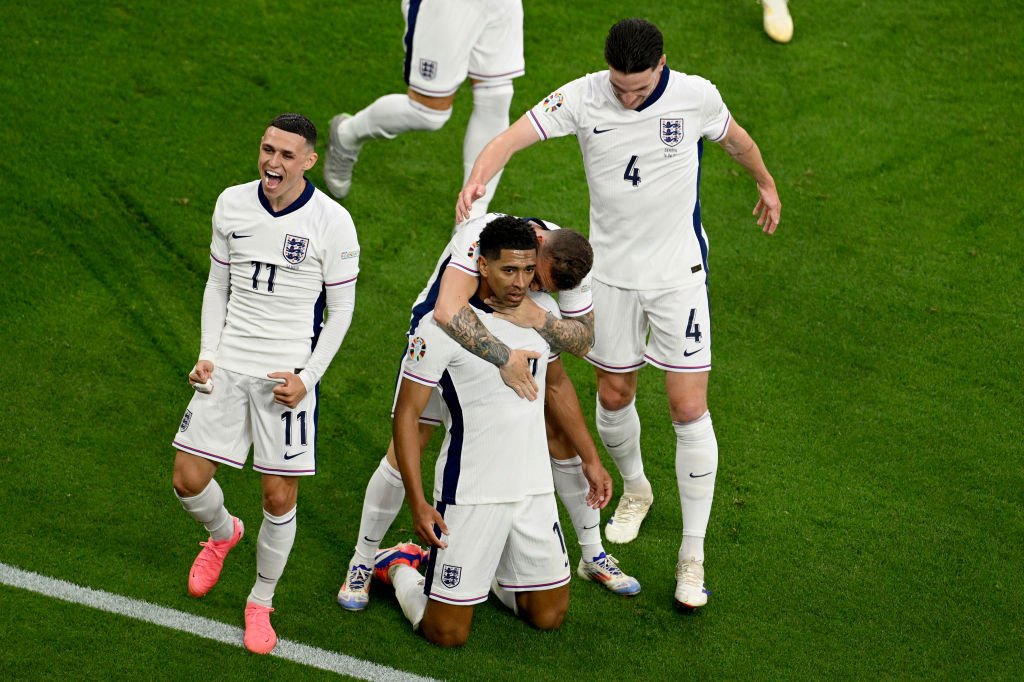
(280,264)
(495,446)
(643,171)
(462,253)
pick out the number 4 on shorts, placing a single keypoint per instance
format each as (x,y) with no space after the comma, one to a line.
(693,330)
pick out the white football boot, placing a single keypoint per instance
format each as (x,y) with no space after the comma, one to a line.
(624,524)
(690,590)
(338,161)
(778,24)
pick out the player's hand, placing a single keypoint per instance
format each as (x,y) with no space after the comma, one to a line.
(424,518)
(770,208)
(290,390)
(527,314)
(600,492)
(517,375)
(470,193)
(200,378)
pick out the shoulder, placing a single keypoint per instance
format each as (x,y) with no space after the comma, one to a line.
(546,301)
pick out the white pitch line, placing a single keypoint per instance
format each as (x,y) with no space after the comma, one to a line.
(197,625)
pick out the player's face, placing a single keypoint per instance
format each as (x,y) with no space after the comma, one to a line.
(509,276)
(284,157)
(633,89)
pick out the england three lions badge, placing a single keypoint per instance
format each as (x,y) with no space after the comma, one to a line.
(671,131)
(295,248)
(451,575)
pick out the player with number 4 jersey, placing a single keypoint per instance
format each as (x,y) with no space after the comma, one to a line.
(641,128)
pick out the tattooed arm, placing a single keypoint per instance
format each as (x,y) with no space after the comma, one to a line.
(453,314)
(570,334)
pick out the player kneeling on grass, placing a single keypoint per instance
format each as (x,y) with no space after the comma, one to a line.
(282,248)
(494,524)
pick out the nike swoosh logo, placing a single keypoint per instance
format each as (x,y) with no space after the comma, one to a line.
(369,540)
(589,527)
(235,235)
(598,132)
(693,475)
(687,353)
(287,456)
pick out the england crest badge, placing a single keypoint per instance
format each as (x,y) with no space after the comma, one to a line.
(671,131)
(451,575)
(294,249)
(428,69)
(185,420)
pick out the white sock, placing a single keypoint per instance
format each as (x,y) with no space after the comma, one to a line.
(381,504)
(572,488)
(388,117)
(489,118)
(208,509)
(506,597)
(696,468)
(277,534)
(691,549)
(620,432)
(408,584)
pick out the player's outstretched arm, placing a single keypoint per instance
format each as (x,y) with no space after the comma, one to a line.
(453,314)
(492,159)
(742,148)
(572,334)
(412,400)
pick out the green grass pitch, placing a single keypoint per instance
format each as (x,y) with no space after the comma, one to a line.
(869,510)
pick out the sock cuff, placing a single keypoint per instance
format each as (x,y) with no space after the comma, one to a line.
(282,520)
(699,424)
(567,464)
(616,416)
(392,476)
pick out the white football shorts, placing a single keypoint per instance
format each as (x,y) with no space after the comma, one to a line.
(241,412)
(447,41)
(520,544)
(667,328)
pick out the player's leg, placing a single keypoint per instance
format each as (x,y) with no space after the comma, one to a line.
(491,101)
(687,361)
(571,486)
(381,504)
(618,425)
(544,609)
(446,625)
(496,58)
(277,535)
(534,565)
(214,430)
(438,38)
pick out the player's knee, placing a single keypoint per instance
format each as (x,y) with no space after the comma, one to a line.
(428,118)
(547,617)
(614,397)
(445,634)
(687,409)
(190,477)
(278,502)
(493,97)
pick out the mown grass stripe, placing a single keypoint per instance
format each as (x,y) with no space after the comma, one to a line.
(196,625)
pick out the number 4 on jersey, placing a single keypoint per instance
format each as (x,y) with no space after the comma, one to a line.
(632,173)
(693,330)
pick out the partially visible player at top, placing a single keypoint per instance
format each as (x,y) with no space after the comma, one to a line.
(446,41)
(281,251)
(641,128)
(494,523)
(563,264)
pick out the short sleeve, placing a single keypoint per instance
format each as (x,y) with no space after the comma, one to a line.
(557,114)
(714,114)
(427,355)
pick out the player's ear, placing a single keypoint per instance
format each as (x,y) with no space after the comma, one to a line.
(481,264)
(310,161)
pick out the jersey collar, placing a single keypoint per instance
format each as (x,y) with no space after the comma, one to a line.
(658,90)
(303,199)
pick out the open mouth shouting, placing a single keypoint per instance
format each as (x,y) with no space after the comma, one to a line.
(272,180)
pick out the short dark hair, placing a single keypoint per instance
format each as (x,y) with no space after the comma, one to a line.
(298,124)
(506,232)
(570,256)
(633,45)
